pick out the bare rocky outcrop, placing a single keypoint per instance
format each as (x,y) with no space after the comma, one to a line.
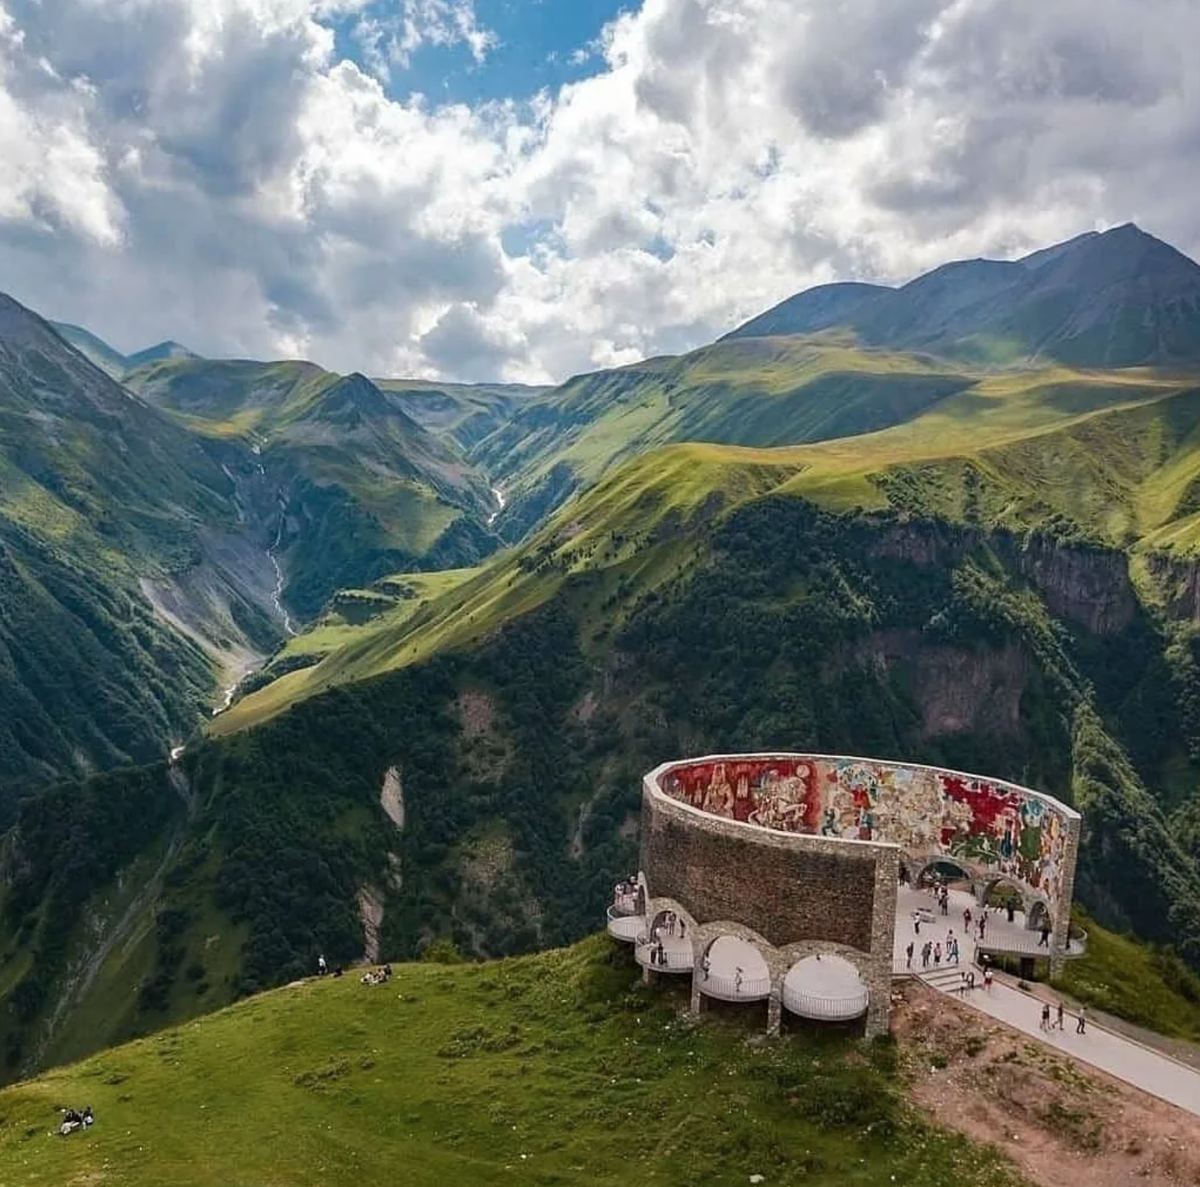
(370,911)
(585,710)
(957,688)
(391,797)
(1177,582)
(1090,587)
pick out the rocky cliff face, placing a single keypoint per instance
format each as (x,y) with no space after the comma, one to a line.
(957,689)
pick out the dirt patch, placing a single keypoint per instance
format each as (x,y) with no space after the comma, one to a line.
(1058,1122)
(586,709)
(477,711)
(391,797)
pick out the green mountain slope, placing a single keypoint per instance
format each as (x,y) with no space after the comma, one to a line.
(466,413)
(692,602)
(96,350)
(364,490)
(1117,299)
(761,392)
(522,1071)
(101,499)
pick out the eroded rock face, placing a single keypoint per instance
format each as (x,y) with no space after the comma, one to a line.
(1085,586)
(391,797)
(370,911)
(958,689)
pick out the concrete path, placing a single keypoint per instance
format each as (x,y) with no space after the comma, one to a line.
(1119,1057)
(1123,1058)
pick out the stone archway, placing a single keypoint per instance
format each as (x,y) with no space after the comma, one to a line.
(919,868)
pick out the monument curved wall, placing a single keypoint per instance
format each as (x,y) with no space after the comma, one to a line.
(993,828)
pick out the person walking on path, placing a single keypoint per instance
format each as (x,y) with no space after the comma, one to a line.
(908,953)
(1081,1024)
(966,918)
(1044,942)
(1060,1014)
(322,967)
(1045,1016)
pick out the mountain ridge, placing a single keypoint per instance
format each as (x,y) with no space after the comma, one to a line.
(1115,298)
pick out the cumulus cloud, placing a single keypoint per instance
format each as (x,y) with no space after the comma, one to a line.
(210,170)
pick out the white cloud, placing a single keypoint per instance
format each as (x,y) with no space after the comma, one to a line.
(208,170)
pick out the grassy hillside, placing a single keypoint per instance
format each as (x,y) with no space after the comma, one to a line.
(516,712)
(364,490)
(465,413)
(100,497)
(1105,458)
(775,392)
(552,1068)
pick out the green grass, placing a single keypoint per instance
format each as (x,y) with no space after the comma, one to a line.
(549,1069)
(1135,982)
(1016,450)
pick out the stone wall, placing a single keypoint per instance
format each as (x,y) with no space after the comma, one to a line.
(787,888)
(991,828)
(790,894)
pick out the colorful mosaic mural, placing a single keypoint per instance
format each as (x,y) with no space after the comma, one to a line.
(988,826)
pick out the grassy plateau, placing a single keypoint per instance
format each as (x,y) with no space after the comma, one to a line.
(547,1069)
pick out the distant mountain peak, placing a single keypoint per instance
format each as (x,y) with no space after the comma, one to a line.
(1115,298)
(169,349)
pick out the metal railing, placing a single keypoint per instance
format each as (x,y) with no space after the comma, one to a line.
(826,1009)
(1029,945)
(625,927)
(679,959)
(730,989)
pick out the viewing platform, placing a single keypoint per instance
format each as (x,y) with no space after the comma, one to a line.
(626,927)
(670,954)
(735,972)
(1001,936)
(826,989)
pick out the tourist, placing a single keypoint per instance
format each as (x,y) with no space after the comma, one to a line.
(1080,1025)
(1045,1016)
(908,953)
(953,953)
(937,954)
(1060,1015)
(1012,910)
(737,980)
(322,967)
(682,929)
(1044,942)
(916,923)
(705,966)
(982,924)
(926,949)
(987,979)
(966,919)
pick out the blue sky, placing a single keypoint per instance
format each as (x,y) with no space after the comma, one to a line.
(538,43)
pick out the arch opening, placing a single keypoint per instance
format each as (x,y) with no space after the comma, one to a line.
(734,970)
(667,946)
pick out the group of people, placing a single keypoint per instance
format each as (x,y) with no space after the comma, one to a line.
(379,976)
(74,1119)
(625,893)
(932,950)
(1048,1024)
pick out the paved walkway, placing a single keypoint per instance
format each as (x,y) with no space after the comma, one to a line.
(1120,1057)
